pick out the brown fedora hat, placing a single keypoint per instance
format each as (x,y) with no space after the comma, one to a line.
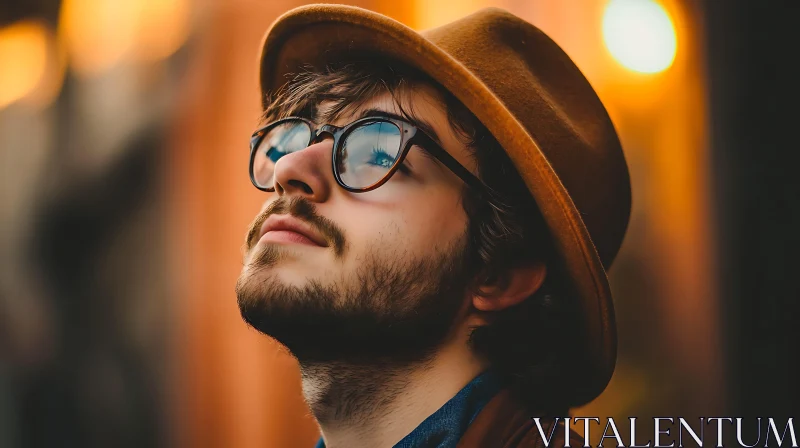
(537,104)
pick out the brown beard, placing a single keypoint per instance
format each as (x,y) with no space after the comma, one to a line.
(393,310)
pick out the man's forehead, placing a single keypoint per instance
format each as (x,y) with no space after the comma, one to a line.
(414,103)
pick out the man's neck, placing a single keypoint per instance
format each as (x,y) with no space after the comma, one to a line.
(377,405)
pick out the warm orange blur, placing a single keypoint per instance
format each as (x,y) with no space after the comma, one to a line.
(99,34)
(23,60)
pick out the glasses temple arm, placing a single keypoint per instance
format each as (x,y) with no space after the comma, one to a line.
(459,170)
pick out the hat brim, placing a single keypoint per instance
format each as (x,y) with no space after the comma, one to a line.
(317,34)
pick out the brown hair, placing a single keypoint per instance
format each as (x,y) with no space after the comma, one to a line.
(528,344)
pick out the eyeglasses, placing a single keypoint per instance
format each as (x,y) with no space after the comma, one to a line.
(366,153)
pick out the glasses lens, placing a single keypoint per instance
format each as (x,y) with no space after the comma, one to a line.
(368,153)
(285,138)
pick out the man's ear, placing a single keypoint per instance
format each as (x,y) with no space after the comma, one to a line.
(513,287)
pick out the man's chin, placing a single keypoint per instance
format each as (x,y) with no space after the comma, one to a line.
(283,275)
(285,263)
(265,254)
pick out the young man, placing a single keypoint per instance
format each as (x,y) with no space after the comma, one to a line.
(440,209)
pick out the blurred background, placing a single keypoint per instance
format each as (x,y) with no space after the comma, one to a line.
(124,199)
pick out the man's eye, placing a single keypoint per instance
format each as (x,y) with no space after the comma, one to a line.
(382,159)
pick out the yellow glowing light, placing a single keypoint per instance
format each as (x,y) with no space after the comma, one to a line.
(23,60)
(99,34)
(163,27)
(640,35)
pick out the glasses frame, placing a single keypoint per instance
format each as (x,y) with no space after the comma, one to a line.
(410,135)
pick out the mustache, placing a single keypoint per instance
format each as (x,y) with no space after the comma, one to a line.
(303,209)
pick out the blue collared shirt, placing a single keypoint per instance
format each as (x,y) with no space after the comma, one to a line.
(444,428)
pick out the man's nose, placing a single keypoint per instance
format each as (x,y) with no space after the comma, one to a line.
(306,172)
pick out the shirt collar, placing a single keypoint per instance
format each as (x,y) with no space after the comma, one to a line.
(444,428)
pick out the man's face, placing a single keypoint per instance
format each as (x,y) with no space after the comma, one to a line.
(384,274)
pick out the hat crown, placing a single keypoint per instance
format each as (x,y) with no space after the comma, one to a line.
(554,102)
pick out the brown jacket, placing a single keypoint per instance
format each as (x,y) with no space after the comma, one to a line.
(505,423)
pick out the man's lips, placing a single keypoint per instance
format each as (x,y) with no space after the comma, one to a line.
(289,229)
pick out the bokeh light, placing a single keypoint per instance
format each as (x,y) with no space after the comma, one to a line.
(99,34)
(640,35)
(23,59)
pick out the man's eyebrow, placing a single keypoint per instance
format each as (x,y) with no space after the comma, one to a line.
(422,125)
